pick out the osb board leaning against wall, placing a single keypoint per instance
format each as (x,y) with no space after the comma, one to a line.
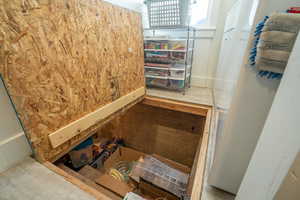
(63,59)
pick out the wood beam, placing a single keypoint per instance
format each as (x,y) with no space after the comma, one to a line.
(71,130)
(197,178)
(195,109)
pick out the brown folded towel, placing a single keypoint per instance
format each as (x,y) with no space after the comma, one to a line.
(277,41)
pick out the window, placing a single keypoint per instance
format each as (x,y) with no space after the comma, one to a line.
(253,12)
(199,11)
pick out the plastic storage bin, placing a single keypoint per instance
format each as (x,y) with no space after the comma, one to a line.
(176,84)
(156,72)
(157,57)
(168,13)
(178,66)
(178,57)
(165,45)
(150,44)
(157,82)
(175,73)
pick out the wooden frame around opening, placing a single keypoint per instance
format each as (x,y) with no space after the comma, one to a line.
(195,186)
(71,130)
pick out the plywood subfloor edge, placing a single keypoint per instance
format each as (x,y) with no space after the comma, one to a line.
(196,109)
(83,186)
(197,175)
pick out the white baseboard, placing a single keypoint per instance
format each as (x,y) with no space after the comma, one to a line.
(200,81)
(13,150)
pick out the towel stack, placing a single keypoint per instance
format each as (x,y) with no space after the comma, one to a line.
(274,43)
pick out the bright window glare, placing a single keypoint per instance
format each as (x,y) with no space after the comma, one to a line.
(199,12)
(253,11)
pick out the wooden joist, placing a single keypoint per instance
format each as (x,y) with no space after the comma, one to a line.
(71,130)
(176,105)
(196,181)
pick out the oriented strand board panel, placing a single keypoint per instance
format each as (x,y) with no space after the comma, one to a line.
(62,60)
(66,133)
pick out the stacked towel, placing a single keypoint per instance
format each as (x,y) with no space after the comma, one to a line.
(276,42)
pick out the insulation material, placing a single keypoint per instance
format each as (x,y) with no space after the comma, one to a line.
(61,60)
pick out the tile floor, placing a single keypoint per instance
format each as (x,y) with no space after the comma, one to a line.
(31,180)
(196,95)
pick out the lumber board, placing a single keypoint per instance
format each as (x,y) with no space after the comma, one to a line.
(195,109)
(62,60)
(75,181)
(96,129)
(66,133)
(195,186)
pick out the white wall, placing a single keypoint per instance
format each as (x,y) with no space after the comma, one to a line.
(279,142)
(234,44)
(202,73)
(209,35)
(208,49)
(218,16)
(207,45)
(13,143)
(289,189)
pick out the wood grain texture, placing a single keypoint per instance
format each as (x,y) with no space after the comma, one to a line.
(96,129)
(71,130)
(153,130)
(62,60)
(195,109)
(195,185)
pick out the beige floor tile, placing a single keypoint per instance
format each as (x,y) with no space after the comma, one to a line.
(196,95)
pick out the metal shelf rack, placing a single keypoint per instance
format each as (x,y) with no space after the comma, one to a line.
(169,57)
